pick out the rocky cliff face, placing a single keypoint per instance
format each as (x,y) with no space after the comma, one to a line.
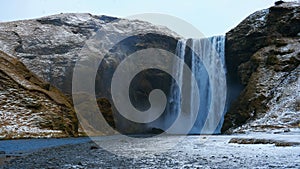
(143,83)
(30,107)
(263,56)
(50,47)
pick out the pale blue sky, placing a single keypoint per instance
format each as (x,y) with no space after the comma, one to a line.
(211,17)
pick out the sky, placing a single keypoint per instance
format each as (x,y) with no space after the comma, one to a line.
(211,17)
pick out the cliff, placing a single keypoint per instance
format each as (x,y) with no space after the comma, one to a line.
(30,107)
(51,46)
(263,56)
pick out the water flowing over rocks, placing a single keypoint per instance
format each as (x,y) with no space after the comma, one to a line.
(261,55)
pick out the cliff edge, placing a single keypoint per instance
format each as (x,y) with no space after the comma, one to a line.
(263,57)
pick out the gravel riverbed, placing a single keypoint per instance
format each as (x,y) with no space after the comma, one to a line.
(164,152)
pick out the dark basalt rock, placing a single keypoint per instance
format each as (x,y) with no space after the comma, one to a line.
(279,2)
(30,107)
(106,110)
(142,84)
(262,56)
(263,141)
(51,46)
(156,131)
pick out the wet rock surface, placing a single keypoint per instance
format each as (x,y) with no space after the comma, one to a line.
(262,55)
(261,141)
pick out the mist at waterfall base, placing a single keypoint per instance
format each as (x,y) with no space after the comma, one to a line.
(186,50)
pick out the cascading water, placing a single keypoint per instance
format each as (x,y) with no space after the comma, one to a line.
(200,55)
(175,98)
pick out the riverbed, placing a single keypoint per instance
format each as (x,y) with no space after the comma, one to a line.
(166,151)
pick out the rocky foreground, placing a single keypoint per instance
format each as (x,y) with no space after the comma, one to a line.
(192,152)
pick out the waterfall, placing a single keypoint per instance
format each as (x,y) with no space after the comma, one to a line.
(203,56)
(175,98)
